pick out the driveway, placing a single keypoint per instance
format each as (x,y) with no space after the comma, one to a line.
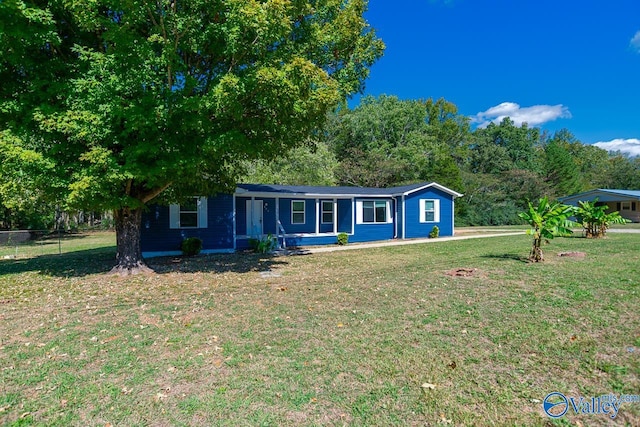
(400,242)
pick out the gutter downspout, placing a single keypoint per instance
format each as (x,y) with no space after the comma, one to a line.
(395,216)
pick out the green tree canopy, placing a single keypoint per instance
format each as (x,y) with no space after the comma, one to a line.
(560,169)
(386,141)
(131,100)
(310,164)
(517,143)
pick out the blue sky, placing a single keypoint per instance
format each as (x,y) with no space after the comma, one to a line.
(552,63)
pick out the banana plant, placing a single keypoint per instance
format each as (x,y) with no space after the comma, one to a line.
(595,221)
(547,220)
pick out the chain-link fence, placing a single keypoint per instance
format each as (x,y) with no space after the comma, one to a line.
(30,243)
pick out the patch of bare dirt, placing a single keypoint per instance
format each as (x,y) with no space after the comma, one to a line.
(572,254)
(465,272)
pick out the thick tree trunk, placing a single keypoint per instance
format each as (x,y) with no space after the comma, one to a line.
(129,257)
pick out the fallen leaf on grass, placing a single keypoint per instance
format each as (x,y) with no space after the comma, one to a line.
(159,397)
(444,420)
(126,390)
(452,365)
(111,338)
(428,386)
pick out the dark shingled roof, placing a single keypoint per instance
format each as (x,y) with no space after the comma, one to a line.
(339,191)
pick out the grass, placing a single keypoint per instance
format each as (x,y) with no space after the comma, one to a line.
(55,244)
(345,338)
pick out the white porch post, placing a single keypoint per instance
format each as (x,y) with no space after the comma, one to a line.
(335,216)
(253,204)
(353,216)
(453,208)
(233,221)
(317,217)
(404,222)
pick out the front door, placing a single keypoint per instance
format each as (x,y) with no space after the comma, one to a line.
(254,218)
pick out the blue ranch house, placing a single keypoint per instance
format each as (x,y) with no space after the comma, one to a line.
(299,216)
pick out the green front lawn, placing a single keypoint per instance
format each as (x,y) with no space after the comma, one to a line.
(455,333)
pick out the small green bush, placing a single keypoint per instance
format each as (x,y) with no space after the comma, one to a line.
(343,239)
(265,245)
(435,232)
(191,246)
(253,244)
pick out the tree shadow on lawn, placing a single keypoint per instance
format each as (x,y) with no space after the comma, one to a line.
(95,261)
(506,257)
(216,263)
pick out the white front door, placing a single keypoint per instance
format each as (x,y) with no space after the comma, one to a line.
(254,218)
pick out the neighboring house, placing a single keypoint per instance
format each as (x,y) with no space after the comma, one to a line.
(299,215)
(626,202)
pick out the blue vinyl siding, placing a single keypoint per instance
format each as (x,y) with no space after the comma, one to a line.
(297,241)
(156,236)
(309,225)
(269,216)
(370,232)
(414,228)
(241,215)
(345,215)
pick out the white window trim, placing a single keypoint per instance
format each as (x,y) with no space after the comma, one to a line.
(304,212)
(436,211)
(360,214)
(625,208)
(322,211)
(201,210)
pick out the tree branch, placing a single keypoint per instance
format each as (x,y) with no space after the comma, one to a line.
(154,193)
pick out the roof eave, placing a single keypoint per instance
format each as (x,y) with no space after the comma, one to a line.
(435,185)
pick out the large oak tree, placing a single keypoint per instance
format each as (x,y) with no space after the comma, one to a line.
(129,101)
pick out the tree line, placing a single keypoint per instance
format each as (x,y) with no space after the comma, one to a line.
(385,141)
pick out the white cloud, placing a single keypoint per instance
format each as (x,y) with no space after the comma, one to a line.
(628,146)
(533,116)
(635,42)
